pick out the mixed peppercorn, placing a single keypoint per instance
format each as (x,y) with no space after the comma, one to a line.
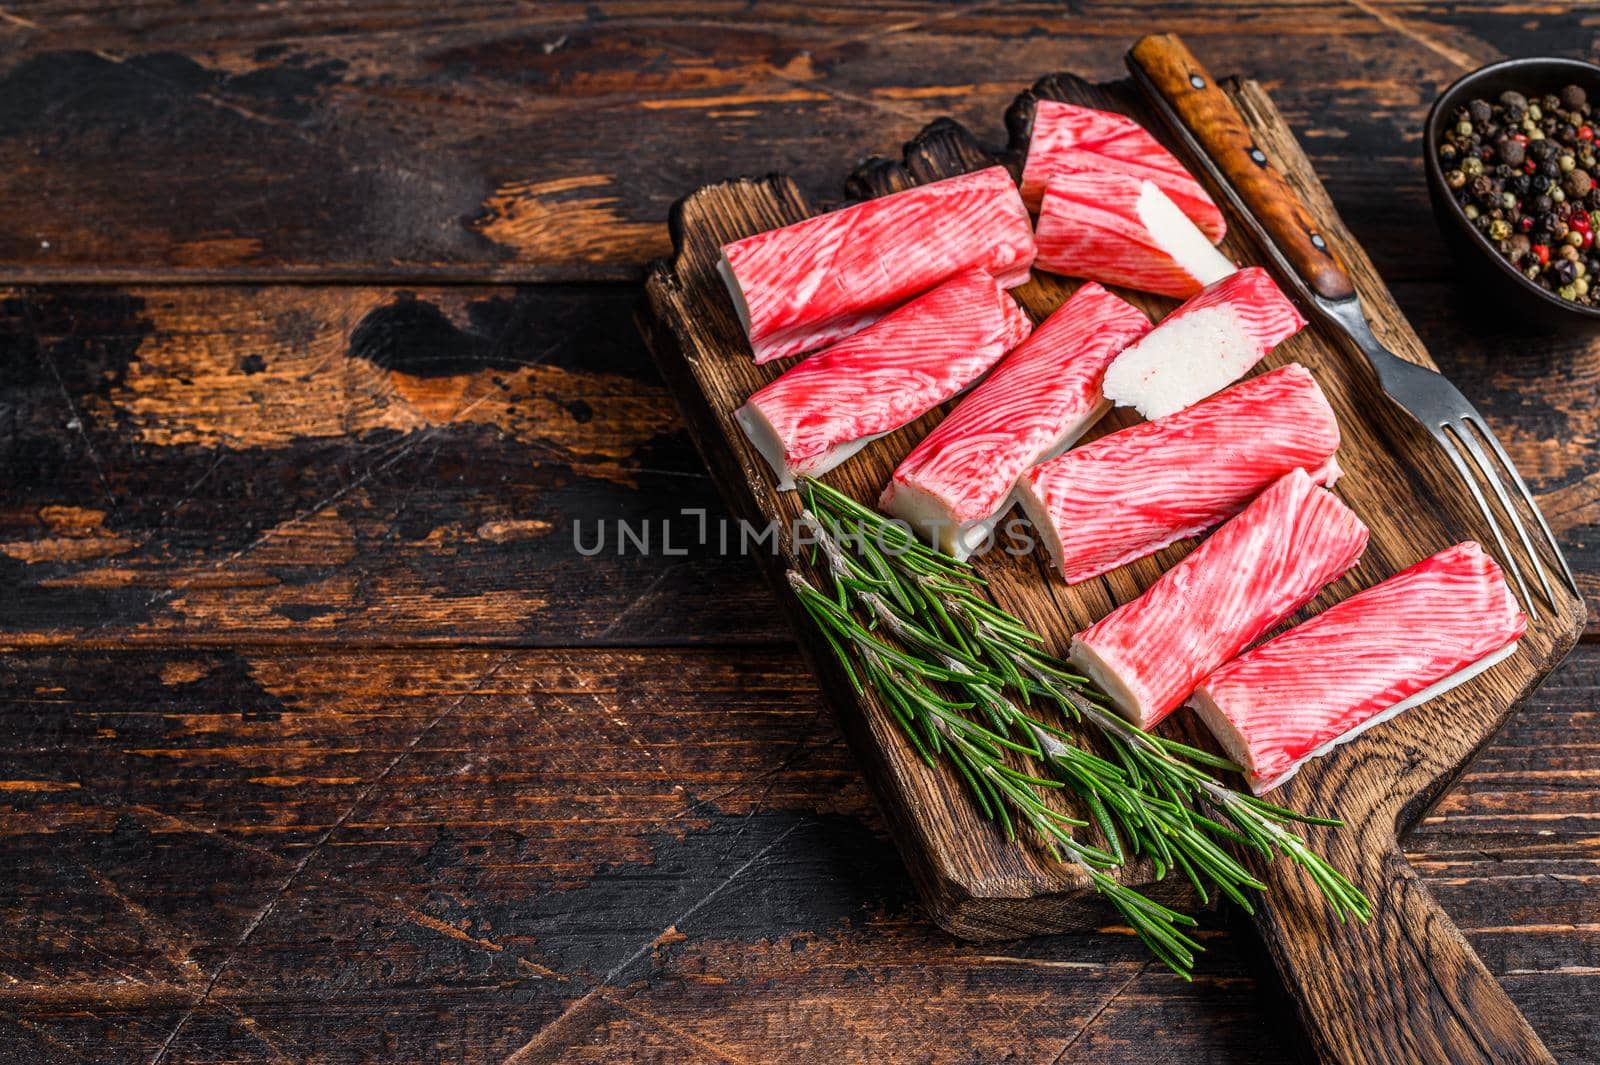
(1524,170)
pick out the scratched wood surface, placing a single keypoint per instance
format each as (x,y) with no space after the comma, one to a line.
(318,739)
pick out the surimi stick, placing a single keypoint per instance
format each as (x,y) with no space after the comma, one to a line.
(1380,652)
(1120,230)
(958,480)
(1262,566)
(1068,139)
(1208,343)
(809,284)
(828,407)
(1131,493)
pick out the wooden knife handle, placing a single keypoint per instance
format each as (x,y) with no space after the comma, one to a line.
(1213,120)
(1404,987)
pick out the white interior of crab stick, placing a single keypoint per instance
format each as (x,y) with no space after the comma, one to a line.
(1180,238)
(766,441)
(735,292)
(931,517)
(1238,749)
(1182,361)
(1127,700)
(1042,524)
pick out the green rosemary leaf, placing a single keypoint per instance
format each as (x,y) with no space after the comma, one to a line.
(1284,814)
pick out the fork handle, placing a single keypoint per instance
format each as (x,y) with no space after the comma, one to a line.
(1211,118)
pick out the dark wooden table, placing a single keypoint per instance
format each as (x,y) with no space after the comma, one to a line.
(318,738)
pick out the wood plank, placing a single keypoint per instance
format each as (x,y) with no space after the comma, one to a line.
(299,464)
(447,851)
(513,144)
(337,969)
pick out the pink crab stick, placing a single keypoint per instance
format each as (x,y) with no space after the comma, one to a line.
(1068,139)
(1262,566)
(1133,492)
(1120,230)
(1394,646)
(958,480)
(809,284)
(1206,344)
(828,407)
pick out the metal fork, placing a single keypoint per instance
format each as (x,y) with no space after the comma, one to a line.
(1440,408)
(1217,139)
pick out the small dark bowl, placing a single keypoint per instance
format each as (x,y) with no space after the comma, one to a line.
(1484,264)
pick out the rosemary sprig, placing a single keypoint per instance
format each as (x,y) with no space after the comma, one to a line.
(1154,824)
(1159,795)
(937,727)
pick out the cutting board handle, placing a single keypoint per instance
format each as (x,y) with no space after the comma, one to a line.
(1404,987)
(1169,69)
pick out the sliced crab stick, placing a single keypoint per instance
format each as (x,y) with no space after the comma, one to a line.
(815,282)
(958,480)
(1068,139)
(1389,648)
(1206,344)
(1262,566)
(1133,492)
(1120,230)
(827,408)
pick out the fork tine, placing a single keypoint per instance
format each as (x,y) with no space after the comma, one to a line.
(1466,436)
(1447,441)
(1527,497)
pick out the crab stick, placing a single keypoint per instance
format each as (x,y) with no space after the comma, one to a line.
(1380,652)
(1133,492)
(1068,139)
(1110,227)
(1206,344)
(815,282)
(958,481)
(832,404)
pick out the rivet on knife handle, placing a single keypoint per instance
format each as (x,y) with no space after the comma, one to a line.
(1216,124)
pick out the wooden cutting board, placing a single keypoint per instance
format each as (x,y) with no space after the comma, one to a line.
(1405,987)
